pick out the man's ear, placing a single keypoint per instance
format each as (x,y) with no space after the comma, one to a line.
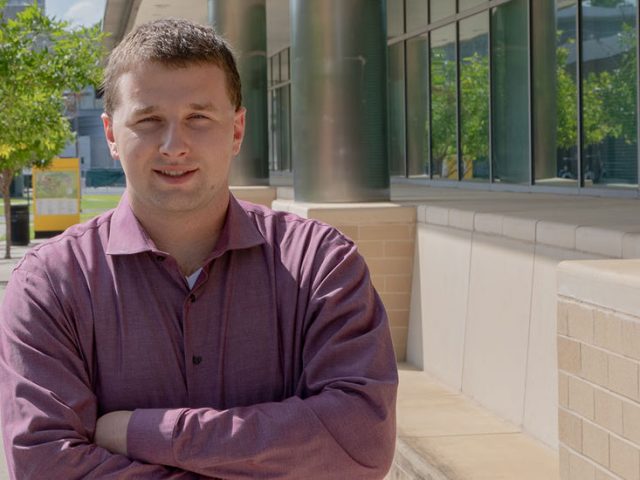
(238,129)
(107,123)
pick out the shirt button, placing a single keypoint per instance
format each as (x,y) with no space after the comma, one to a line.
(197,359)
(192,298)
(160,258)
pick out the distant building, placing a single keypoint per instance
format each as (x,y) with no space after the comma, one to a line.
(16,6)
(84,110)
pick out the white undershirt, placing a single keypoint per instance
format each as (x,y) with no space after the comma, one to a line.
(193,278)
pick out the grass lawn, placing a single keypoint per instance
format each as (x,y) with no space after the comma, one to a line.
(92,205)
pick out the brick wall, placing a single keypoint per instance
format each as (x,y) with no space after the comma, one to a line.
(385,236)
(599,397)
(388,251)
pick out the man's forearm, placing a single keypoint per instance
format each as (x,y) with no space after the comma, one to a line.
(326,436)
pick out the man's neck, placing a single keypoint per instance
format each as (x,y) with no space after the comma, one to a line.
(189,238)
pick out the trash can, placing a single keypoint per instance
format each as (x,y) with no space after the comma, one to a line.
(19,224)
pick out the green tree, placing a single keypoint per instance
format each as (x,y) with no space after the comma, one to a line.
(41,59)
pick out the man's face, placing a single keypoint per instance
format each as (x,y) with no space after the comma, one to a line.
(175,132)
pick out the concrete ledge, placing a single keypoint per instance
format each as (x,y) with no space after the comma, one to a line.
(599,226)
(443,435)
(611,284)
(262,195)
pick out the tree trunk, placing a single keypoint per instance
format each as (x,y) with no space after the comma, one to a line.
(7,176)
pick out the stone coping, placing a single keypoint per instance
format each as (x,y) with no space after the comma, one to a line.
(602,226)
(442,434)
(350,213)
(611,284)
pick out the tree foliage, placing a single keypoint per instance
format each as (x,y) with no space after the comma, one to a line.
(41,59)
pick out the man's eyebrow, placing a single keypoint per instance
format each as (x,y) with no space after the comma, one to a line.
(203,106)
(143,110)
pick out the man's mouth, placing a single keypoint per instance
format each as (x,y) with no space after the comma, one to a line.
(174,173)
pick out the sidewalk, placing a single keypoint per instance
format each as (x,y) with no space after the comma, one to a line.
(444,435)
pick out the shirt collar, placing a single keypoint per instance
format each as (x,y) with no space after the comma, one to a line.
(239,230)
(127,236)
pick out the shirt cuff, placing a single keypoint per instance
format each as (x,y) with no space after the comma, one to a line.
(150,435)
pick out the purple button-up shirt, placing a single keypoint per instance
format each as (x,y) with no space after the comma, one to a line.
(277,364)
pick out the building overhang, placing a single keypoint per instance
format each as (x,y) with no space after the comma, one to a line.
(120,16)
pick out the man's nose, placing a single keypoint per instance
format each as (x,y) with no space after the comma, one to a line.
(174,142)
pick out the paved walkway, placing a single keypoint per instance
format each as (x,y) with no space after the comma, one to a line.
(444,435)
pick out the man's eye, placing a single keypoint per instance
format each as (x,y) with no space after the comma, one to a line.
(198,116)
(148,119)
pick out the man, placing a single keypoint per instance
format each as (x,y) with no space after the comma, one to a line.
(186,334)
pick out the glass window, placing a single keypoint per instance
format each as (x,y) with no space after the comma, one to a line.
(418,106)
(395,18)
(284,65)
(510,93)
(444,151)
(86,100)
(397,145)
(441,9)
(285,125)
(417,14)
(466,4)
(609,93)
(556,116)
(275,69)
(474,96)
(274,126)
(280,129)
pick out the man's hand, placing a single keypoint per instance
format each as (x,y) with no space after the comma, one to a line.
(111,431)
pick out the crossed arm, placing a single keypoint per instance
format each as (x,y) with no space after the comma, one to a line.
(343,426)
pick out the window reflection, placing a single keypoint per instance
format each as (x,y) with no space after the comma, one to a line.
(443,103)
(284,65)
(280,113)
(474,96)
(510,93)
(564,170)
(418,106)
(609,93)
(396,110)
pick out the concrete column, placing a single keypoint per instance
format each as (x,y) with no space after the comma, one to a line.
(243,24)
(338,95)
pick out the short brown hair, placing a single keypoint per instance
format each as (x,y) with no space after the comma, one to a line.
(172,42)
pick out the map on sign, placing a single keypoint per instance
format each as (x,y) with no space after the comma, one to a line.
(57,193)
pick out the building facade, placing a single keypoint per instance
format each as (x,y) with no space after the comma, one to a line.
(517,95)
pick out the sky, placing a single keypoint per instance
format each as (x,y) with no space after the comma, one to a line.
(77,12)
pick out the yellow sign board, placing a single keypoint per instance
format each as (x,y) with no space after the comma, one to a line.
(56,194)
